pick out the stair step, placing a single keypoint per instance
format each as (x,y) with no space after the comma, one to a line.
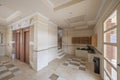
(60,50)
(61,55)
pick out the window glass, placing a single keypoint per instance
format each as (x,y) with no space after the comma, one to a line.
(110,70)
(111,21)
(106,77)
(110,53)
(110,36)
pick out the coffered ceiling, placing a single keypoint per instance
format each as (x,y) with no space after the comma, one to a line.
(65,13)
(60,4)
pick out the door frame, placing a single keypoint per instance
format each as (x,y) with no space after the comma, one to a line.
(21,53)
(27,29)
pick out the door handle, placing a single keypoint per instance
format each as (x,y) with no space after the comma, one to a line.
(118,64)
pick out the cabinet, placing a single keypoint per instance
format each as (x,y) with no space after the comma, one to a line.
(80,40)
(81,53)
(90,57)
(94,40)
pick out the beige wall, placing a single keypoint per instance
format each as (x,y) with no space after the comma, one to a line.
(9,50)
(45,45)
(68,47)
(3,45)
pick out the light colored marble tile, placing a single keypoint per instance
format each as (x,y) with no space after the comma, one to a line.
(7,63)
(12,68)
(60,78)
(83,66)
(5,75)
(54,67)
(17,72)
(2,68)
(76,62)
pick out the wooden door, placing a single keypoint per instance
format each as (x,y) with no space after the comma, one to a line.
(94,40)
(17,40)
(26,44)
(21,38)
(21,46)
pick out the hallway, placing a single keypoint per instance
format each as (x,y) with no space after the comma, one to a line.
(59,39)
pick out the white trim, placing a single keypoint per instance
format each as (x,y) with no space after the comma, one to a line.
(14,15)
(50,3)
(111,44)
(28,17)
(114,27)
(51,22)
(108,11)
(108,43)
(100,9)
(110,63)
(32,24)
(42,15)
(107,73)
(41,22)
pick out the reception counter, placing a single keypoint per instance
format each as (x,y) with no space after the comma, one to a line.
(84,54)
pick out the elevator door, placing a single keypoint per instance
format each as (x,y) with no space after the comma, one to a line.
(17,44)
(26,44)
(21,38)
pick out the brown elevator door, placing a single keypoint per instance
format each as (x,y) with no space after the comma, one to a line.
(21,38)
(26,44)
(18,44)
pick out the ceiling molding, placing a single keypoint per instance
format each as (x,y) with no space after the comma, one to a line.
(100,9)
(78,23)
(67,4)
(14,16)
(56,3)
(76,19)
(81,27)
(83,23)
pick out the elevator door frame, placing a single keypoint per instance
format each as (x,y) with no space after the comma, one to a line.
(26,55)
(22,55)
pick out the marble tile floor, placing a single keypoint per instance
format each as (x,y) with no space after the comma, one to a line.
(75,62)
(8,70)
(55,67)
(55,77)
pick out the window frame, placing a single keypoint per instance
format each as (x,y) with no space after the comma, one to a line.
(109,43)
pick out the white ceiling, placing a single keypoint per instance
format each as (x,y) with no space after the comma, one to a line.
(56,3)
(82,13)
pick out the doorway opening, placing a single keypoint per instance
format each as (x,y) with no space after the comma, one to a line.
(59,38)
